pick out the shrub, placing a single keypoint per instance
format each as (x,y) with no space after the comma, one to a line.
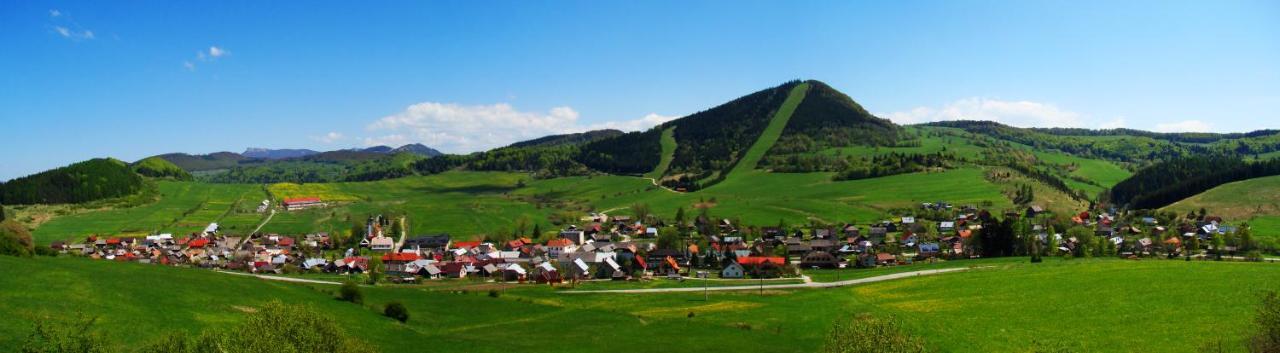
(57,337)
(1253,255)
(1267,322)
(866,333)
(276,327)
(350,292)
(15,240)
(397,311)
(493,293)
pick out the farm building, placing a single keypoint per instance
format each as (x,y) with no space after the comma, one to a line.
(302,203)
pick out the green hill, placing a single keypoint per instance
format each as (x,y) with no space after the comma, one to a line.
(204,162)
(94,179)
(157,167)
(568,139)
(1254,200)
(1076,306)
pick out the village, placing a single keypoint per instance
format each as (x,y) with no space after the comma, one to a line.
(618,248)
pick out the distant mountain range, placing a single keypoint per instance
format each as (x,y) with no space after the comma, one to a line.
(260,156)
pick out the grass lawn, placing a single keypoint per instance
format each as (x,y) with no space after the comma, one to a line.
(468,204)
(184,207)
(1101,305)
(1256,200)
(668,143)
(771,132)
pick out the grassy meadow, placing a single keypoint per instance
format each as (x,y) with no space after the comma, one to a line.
(183,207)
(1255,200)
(1101,305)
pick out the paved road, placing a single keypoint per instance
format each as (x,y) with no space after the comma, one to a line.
(282,279)
(779,286)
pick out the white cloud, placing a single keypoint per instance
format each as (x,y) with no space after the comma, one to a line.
(1015,113)
(213,53)
(1118,123)
(216,52)
(330,137)
(64,31)
(467,128)
(1184,126)
(54,13)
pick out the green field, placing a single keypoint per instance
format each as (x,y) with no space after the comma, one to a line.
(1085,305)
(1255,200)
(771,132)
(184,207)
(468,204)
(668,143)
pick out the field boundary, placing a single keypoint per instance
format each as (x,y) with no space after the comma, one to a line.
(771,133)
(779,286)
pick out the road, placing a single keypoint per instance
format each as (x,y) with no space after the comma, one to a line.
(255,230)
(655,183)
(777,286)
(282,279)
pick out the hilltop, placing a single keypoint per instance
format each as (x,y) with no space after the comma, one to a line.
(94,179)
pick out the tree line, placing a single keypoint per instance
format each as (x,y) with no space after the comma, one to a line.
(1171,181)
(90,180)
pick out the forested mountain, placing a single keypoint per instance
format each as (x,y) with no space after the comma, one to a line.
(266,153)
(1167,182)
(322,167)
(157,167)
(90,180)
(418,149)
(568,139)
(828,118)
(203,162)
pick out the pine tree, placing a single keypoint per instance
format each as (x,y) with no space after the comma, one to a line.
(537,231)
(2,213)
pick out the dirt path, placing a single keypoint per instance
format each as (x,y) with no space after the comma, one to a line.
(779,286)
(282,279)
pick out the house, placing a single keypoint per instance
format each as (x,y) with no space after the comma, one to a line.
(557,247)
(513,272)
(1033,211)
(761,266)
(574,234)
(302,203)
(821,259)
(928,249)
(886,259)
(946,227)
(382,244)
(454,270)
(211,229)
(398,263)
(826,245)
(733,270)
(429,243)
(545,273)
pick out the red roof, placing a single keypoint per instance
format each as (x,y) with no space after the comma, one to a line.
(640,261)
(285,241)
(561,242)
(466,244)
(198,243)
(965,233)
(302,200)
(760,260)
(113,240)
(400,256)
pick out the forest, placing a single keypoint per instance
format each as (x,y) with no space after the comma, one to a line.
(90,180)
(1170,181)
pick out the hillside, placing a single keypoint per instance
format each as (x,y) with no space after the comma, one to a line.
(94,179)
(204,162)
(267,153)
(157,167)
(1032,305)
(568,139)
(1254,200)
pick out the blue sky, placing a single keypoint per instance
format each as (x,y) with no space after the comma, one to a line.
(83,79)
